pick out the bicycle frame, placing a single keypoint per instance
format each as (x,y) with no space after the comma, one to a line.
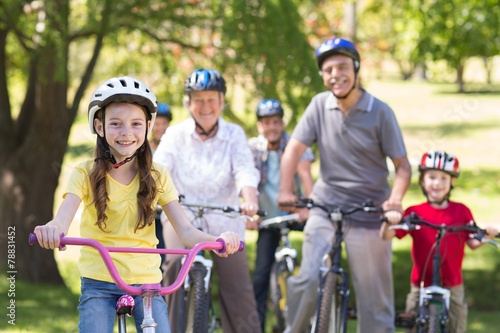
(435,293)
(146,291)
(332,305)
(286,250)
(201,314)
(283,267)
(332,263)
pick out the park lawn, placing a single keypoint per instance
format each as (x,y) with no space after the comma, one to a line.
(430,115)
(46,308)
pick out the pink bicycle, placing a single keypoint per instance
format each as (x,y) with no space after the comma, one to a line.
(146,291)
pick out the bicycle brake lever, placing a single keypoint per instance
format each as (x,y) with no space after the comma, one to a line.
(483,239)
(404,226)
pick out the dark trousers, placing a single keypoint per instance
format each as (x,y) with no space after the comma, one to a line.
(159,235)
(267,243)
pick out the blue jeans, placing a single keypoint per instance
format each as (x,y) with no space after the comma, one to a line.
(98,313)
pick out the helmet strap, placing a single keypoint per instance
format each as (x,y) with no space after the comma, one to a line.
(440,202)
(202,130)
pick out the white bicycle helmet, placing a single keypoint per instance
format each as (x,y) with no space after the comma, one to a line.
(122,89)
(440,160)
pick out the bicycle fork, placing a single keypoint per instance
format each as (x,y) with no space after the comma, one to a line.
(433,295)
(342,287)
(207,263)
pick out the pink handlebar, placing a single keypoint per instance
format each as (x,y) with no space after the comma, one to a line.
(104,251)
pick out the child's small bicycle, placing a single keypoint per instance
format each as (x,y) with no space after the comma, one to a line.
(434,300)
(146,291)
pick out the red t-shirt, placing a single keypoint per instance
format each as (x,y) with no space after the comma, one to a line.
(452,245)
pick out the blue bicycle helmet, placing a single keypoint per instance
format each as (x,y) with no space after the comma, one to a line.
(269,107)
(337,46)
(164,111)
(204,80)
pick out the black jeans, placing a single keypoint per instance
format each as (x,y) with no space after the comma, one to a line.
(267,243)
(159,235)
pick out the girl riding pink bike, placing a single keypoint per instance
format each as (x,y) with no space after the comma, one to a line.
(120,190)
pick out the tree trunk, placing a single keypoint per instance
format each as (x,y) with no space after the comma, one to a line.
(488,67)
(350,20)
(460,78)
(30,169)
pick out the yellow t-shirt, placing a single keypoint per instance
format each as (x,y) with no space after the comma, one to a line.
(134,268)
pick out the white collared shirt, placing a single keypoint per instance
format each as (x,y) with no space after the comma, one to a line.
(209,172)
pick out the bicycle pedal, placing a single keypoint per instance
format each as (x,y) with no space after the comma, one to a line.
(404,320)
(351,313)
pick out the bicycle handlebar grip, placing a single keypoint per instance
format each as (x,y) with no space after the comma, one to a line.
(32,240)
(223,249)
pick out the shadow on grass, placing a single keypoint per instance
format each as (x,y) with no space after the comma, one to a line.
(470,88)
(458,128)
(483,181)
(43,308)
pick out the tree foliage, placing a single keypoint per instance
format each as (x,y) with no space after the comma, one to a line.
(52,51)
(415,32)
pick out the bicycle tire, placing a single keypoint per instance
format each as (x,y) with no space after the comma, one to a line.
(434,324)
(331,317)
(197,302)
(277,286)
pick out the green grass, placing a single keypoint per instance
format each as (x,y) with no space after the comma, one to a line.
(41,308)
(430,115)
(47,308)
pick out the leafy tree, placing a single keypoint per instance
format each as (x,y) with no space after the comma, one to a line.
(265,46)
(49,51)
(392,29)
(459,29)
(426,30)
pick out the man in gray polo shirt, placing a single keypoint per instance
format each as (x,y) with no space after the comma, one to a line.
(355,133)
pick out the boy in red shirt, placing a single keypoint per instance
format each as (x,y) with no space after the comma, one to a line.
(438,173)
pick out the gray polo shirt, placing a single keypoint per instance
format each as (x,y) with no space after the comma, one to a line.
(353,151)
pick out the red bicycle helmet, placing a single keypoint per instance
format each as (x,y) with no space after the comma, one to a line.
(440,160)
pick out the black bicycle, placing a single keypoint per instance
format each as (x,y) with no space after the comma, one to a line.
(434,300)
(284,266)
(332,309)
(197,310)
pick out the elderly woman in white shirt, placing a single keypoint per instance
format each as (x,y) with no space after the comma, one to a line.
(211,162)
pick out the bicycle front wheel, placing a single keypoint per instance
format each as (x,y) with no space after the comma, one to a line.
(332,313)
(434,318)
(197,302)
(277,286)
